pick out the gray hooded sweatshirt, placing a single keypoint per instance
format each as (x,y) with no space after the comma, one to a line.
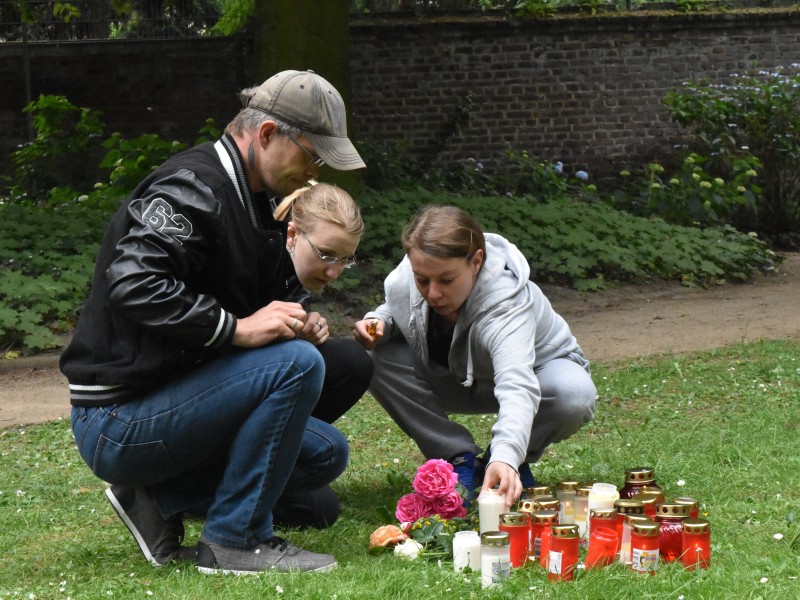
(505,329)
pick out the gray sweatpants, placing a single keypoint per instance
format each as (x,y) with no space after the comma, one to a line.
(419,400)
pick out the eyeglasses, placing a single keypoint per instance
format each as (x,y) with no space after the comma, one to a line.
(312,160)
(345,262)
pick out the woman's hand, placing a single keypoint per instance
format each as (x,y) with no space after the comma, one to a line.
(315,329)
(508,478)
(368,332)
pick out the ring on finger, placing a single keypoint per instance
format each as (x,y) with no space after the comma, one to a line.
(318,325)
(294,323)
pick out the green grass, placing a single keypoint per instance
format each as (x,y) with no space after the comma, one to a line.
(720,426)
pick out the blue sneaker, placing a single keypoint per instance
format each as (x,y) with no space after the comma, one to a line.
(470,470)
(526,477)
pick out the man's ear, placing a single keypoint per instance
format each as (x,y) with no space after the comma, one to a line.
(266,131)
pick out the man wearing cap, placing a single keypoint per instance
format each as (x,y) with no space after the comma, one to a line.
(190,393)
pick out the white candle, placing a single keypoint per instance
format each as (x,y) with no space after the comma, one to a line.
(602,495)
(490,506)
(467,551)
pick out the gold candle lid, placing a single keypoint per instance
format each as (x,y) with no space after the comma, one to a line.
(494,538)
(627,506)
(514,518)
(564,531)
(645,527)
(640,475)
(678,511)
(544,516)
(567,486)
(692,502)
(604,514)
(653,490)
(629,519)
(583,489)
(536,491)
(696,526)
(547,503)
(645,499)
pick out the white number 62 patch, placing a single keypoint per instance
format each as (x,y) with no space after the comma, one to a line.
(160,216)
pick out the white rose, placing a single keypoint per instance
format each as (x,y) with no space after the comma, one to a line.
(408,550)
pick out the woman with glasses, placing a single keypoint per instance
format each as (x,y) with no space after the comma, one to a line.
(323,229)
(464,331)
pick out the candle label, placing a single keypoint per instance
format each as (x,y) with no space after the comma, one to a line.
(644,560)
(500,570)
(554,564)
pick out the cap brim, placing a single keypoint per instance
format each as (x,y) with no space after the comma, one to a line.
(337,152)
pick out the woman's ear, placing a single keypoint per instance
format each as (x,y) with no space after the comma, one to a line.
(291,235)
(477,260)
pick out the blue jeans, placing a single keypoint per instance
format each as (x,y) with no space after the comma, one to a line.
(223,440)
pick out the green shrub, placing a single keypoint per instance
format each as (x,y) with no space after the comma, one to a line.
(47,247)
(755,115)
(64,152)
(689,195)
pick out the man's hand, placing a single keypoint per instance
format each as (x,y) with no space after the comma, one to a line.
(276,321)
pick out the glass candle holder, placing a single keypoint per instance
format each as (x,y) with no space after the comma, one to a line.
(490,506)
(517,526)
(602,517)
(670,518)
(563,556)
(648,502)
(625,507)
(602,550)
(495,557)
(467,551)
(541,521)
(696,544)
(635,480)
(565,492)
(625,542)
(644,546)
(693,503)
(581,508)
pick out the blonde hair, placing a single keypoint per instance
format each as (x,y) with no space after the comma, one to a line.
(320,202)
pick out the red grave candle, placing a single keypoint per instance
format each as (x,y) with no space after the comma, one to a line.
(696,544)
(517,525)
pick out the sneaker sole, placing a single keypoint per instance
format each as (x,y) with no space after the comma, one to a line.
(132,528)
(221,571)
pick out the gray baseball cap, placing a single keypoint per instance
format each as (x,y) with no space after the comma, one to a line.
(310,103)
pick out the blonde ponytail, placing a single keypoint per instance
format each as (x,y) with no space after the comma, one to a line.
(284,209)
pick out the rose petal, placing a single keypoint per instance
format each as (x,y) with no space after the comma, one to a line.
(386,536)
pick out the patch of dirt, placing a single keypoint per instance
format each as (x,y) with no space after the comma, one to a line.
(626,321)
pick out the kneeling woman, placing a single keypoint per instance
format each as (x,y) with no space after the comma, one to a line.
(464,331)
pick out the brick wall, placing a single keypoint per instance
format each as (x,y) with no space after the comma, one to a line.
(584,90)
(587,91)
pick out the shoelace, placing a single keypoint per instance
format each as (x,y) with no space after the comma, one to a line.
(278,541)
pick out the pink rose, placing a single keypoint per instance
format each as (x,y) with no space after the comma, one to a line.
(412,507)
(450,505)
(435,478)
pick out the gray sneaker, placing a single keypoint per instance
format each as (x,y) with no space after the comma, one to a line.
(275,555)
(158,539)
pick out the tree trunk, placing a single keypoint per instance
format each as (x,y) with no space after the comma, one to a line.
(308,34)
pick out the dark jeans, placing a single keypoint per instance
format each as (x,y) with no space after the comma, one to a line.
(224,440)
